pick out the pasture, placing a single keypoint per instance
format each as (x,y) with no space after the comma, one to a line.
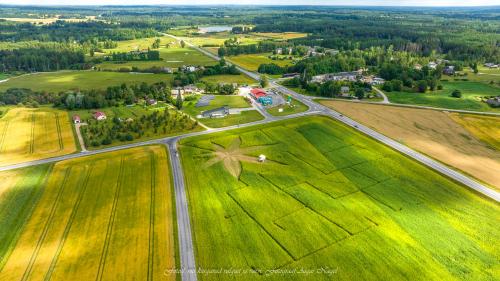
(31,134)
(239,79)
(82,80)
(253,61)
(332,204)
(103,217)
(462,141)
(470,100)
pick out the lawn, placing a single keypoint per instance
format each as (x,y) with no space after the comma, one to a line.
(239,79)
(103,217)
(462,141)
(31,134)
(253,61)
(471,94)
(83,80)
(232,119)
(294,107)
(332,202)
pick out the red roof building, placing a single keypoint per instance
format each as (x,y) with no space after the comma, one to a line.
(257,93)
(98,115)
(76,119)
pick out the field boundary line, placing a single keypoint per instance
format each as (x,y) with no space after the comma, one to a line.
(152,209)
(262,227)
(69,224)
(4,259)
(46,228)
(109,229)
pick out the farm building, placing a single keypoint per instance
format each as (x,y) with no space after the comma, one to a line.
(98,115)
(216,112)
(76,119)
(494,102)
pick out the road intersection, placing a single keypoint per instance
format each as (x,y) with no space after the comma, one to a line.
(186,248)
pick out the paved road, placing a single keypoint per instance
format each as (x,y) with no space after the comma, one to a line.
(183,219)
(386,100)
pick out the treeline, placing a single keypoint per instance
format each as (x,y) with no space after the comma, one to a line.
(88,99)
(148,55)
(187,78)
(401,78)
(31,60)
(261,47)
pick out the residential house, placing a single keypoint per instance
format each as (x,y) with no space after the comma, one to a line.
(432,65)
(494,102)
(449,70)
(152,102)
(76,119)
(98,115)
(491,65)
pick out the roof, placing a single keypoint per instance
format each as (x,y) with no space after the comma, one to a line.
(257,93)
(76,117)
(222,108)
(99,113)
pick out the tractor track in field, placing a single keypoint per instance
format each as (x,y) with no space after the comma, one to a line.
(111,221)
(4,134)
(47,226)
(152,210)
(59,133)
(32,134)
(69,224)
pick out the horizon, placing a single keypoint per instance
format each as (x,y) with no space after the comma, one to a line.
(340,3)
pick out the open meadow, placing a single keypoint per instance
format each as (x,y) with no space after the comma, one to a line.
(253,61)
(463,141)
(82,80)
(294,107)
(470,100)
(31,134)
(240,79)
(103,217)
(330,203)
(281,35)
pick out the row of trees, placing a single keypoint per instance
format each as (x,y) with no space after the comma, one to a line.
(149,55)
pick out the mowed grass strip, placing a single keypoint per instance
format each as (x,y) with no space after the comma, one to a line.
(30,134)
(377,214)
(464,141)
(80,80)
(104,217)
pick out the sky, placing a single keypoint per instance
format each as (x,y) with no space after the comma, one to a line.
(451,3)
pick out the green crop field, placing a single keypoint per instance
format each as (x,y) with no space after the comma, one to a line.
(31,134)
(253,61)
(239,79)
(232,119)
(470,100)
(329,203)
(83,80)
(103,217)
(294,107)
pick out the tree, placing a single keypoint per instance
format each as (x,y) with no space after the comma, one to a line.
(397,85)
(156,43)
(183,44)
(456,94)
(264,82)
(422,86)
(359,93)
(178,102)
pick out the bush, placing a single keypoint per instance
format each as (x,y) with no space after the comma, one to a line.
(440,87)
(456,94)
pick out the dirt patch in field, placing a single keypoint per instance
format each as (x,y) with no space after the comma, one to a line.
(431,132)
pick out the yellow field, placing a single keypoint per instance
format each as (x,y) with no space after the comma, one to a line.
(434,133)
(283,35)
(30,134)
(485,128)
(48,20)
(253,61)
(105,217)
